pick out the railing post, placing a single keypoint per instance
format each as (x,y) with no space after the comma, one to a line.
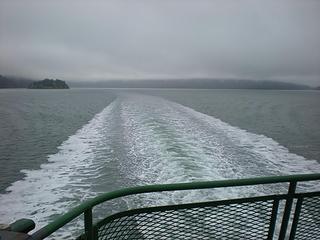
(287,210)
(296,218)
(273,219)
(88,228)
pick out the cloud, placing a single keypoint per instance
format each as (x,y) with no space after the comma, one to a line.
(253,39)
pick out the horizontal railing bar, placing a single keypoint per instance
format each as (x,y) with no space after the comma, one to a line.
(75,212)
(213,203)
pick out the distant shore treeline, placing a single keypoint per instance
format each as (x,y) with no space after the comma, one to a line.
(9,82)
(12,82)
(192,83)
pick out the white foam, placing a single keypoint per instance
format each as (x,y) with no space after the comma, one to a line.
(62,182)
(168,142)
(161,142)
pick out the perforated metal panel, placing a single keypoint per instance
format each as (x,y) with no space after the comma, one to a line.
(309,220)
(262,217)
(246,220)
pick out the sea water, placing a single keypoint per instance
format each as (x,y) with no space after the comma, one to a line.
(59,148)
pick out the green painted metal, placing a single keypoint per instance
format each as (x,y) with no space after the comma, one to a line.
(157,222)
(186,220)
(87,206)
(88,225)
(296,218)
(309,221)
(22,225)
(287,210)
(273,219)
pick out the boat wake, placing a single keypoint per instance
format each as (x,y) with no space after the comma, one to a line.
(139,140)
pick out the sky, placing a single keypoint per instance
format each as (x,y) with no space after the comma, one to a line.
(154,39)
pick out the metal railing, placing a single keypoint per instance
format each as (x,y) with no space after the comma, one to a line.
(245,218)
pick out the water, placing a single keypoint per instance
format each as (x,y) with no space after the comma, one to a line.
(34,123)
(72,145)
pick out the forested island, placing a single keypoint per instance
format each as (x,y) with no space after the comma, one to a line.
(49,84)
(16,82)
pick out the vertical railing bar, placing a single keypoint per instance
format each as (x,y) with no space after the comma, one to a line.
(88,228)
(273,218)
(95,233)
(296,218)
(287,210)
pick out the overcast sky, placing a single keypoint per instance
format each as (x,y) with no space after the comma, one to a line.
(96,39)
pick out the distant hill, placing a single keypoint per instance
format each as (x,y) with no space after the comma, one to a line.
(12,82)
(49,84)
(192,83)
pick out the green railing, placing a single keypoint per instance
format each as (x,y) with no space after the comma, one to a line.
(286,216)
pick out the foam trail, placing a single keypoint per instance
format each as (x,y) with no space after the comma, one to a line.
(64,181)
(167,142)
(140,140)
